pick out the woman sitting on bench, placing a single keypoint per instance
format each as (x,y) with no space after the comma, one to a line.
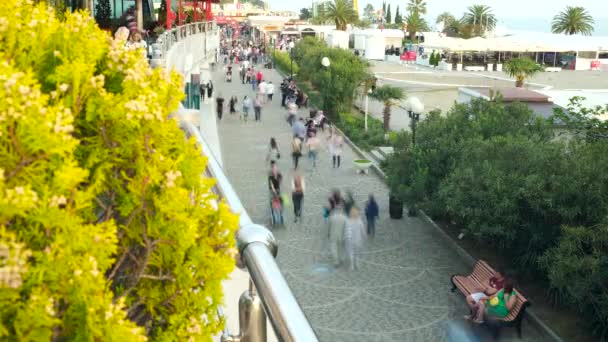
(496,306)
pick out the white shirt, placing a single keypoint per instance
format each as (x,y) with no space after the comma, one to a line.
(262,88)
(245,64)
(270,88)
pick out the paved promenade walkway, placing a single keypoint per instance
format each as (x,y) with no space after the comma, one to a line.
(401,292)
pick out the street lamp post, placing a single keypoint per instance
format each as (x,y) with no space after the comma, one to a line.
(291,46)
(414,108)
(326,63)
(369,91)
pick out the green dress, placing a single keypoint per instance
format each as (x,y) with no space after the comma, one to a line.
(499,309)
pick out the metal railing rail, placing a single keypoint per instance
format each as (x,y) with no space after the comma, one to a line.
(257,249)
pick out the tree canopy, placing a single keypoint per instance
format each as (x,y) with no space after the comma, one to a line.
(416,6)
(573,20)
(481,18)
(341,13)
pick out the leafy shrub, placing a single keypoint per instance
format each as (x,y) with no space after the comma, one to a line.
(337,83)
(354,127)
(108,230)
(502,176)
(283,62)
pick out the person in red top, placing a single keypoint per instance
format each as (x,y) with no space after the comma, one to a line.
(259,76)
(494,285)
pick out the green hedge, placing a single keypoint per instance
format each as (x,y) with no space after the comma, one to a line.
(283,62)
(498,172)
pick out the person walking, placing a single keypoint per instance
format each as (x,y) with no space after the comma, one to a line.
(203,91)
(259,76)
(219,101)
(248,75)
(243,72)
(273,151)
(371,214)
(246,107)
(299,129)
(296,150)
(297,196)
(262,91)
(233,101)
(270,91)
(292,111)
(335,147)
(353,238)
(314,145)
(349,202)
(209,89)
(257,108)
(337,223)
(284,92)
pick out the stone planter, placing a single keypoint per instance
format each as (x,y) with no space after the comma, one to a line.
(498,67)
(362,165)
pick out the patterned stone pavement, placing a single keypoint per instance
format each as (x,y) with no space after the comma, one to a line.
(401,292)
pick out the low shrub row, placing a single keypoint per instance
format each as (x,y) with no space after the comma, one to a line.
(284,63)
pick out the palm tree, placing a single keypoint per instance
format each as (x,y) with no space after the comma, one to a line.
(389,96)
(521,68)
(480,17)
(416,6)
(415,23)
(446,18)
(342,13)
(573,20)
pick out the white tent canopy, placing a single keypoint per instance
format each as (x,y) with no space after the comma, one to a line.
(518,43)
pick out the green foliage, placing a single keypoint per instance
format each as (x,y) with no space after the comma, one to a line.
(498,172)
(577,268)
(416,6)
(389,15)
(305,13)
(521,68)
(108,231)
(573,20)
(389,96)
(103,13)
(283,62)
(337,83)
(341,13)
(584,123)
(354,127)
(369,13)
(398,17)
(415,23)
(480,18)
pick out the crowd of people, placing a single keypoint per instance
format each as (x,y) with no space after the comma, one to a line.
(348,225)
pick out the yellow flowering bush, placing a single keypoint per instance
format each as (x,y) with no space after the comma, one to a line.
(108,231)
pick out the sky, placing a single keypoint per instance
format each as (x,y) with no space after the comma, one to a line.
(514,14)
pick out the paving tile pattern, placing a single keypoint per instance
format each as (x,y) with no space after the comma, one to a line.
(401,292)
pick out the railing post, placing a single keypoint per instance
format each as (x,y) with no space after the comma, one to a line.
(252,317)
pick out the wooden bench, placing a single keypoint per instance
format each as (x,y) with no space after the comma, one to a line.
(482,272)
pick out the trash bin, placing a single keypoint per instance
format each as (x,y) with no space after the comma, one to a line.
(395,207)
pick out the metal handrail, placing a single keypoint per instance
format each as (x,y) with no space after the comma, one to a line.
(258,248)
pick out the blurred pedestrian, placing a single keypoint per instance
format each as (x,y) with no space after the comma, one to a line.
(335,147)
(257,108)
(273,151)
(219,101)
(297,196)
(371,214)
(314,145)
(247,104)
(353,238)
(337,223)
(296,150)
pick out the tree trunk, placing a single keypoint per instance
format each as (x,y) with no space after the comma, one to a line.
(519,82)
(387,118)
